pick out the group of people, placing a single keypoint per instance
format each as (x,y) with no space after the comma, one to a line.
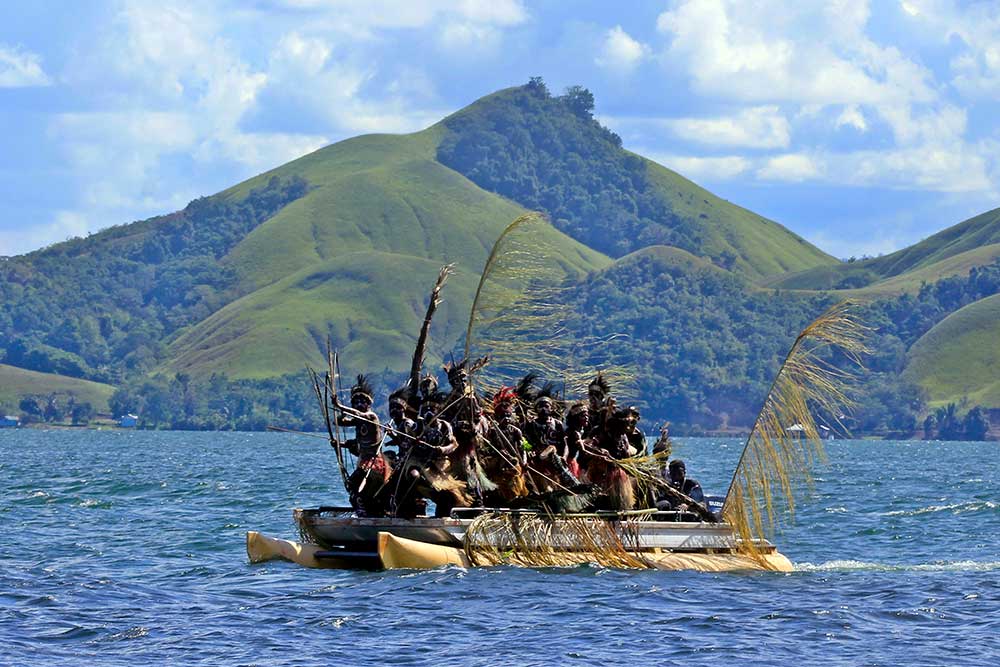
(458,449)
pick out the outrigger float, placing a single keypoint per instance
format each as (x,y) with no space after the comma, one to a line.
(335,537)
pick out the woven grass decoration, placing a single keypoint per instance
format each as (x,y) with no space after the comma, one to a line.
(536,540)
(775,460)
(519,315)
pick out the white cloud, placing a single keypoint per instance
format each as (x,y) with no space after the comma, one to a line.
(755,127)
(775,51)
(790,167)
(20,68)
(620,52)
(307,54)
(362,19)
(937,169)
(817,56)
(260,150)
(469,37)
(703,169)
(852,116)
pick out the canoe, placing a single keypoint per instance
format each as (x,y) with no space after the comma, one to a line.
(335,537)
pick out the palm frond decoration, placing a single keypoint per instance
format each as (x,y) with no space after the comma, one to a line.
(785,440)
(519,314)
(417,364)
(538,540)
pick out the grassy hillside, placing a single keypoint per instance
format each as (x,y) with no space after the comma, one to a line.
(960,357)
(17,382)
(970,236)
(910,281)
(734,237)
(353,260)
(666,259)
(550,154)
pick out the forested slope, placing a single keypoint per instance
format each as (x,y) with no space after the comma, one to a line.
(205,318)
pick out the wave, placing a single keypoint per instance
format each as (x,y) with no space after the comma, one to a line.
(956,508)
(937,566)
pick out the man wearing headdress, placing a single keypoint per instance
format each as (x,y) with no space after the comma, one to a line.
(613,444)
(428,386)
(549,449)
(405,429)
(372,472)
(601,404)
(504,456)
(426,471)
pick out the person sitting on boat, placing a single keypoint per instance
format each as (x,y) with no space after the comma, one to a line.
(504,456)
(577,430)
(549,448)
(636,438)
(601,404)
(426,472)
(471,431)
(404,429)
(678,480)
(600,458)
(372,472)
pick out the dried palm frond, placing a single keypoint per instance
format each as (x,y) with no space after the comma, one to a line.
(520,310)
(536,540)
(417,364)
(774,457)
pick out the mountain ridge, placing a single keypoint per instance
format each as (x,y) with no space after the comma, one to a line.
(343,242)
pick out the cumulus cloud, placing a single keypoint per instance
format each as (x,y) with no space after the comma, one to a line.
(775,51)
(973,30)
(703,169)
(20,68)
(852,116)
(620,52)
(823,57)
(790,168)
(755,127)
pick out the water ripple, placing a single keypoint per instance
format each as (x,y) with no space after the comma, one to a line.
(134,553)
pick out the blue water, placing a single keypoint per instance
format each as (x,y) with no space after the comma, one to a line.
(121,548)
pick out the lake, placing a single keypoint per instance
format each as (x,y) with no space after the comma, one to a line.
(127,547)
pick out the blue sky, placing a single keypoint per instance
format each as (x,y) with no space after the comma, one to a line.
(863,126)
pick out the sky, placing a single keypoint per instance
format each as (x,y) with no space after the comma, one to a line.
(863,126)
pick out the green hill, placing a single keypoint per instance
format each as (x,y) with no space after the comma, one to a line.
(549,154)
(15,383)
(970,236)
(911,281)
(217,307)
(353,259)
(959,359)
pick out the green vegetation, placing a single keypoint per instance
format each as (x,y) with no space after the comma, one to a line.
(959,359)
(707,343)
(205,318)
(102,307)
(17,383)
(549,154)
(972,236)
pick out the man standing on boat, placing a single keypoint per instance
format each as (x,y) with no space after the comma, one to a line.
(372,472)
